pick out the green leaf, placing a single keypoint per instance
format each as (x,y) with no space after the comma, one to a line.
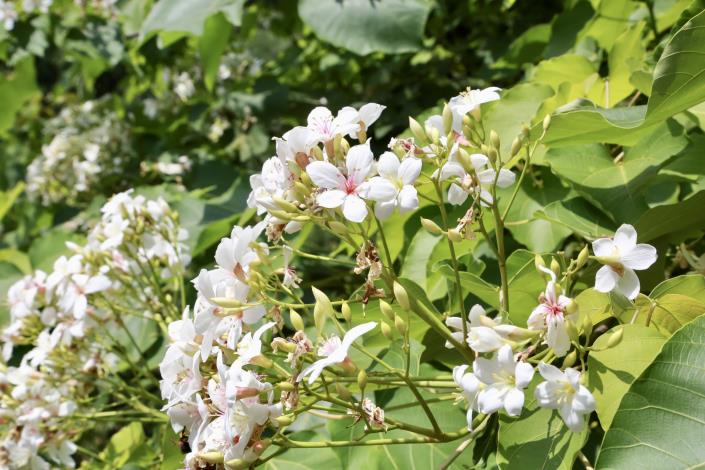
(692,285)
(661,420)
(45,250)
(525,285)
(122,445)
(671,311)
(679,218)
(363,27)
(612,370)
(16,88)
(188,16)
(593,304)
(677,86)
(579,216)
(211,46)
(473,284)
(304,459)
(17,258)
(538,439)
(417,257)
(8,198)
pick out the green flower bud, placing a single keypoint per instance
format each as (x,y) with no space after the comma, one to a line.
(455,236)
(296,321)
(401,296)
(539,263)
(583,257)
(587,325)
(211,457)
(447,119)
(493,155)
(386,309)
(494,139)
(546,122)
(338,227)
(400,325)
(387,331)
(418,131)
(570,359)
(362,379)
(284,204)
(342,391)
(347,313)
(555,267)
(284,420)
(430,226)
(516,146)
(572,306)
(615,338)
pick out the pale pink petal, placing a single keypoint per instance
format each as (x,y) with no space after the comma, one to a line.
(359,162)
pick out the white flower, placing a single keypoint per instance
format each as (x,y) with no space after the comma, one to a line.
(550,315)
(562,391)
(183,86)
(505,380)
(274,180)
(484,334)
(291,279)
(234,254)
(366,116)
(75,300)
(402,176)
(8,15)
(296,144)
(250,346)
(325,127)
(470,386)
(472,180)
(349,190)
(621,256)
(467,101)
(336,353)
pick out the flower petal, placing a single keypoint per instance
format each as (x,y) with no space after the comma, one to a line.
(408,199)
(640,257)
(378,189)
(384,209)
(506,178)
(456,195)
(604,247)
(354,208)
(388,165)
(550,372)
(514,402)
(331,198)
(628,284)
(625,238)
(479,161)
(325,175)
(359,162)
(409,170)
(523,373)
(605,279)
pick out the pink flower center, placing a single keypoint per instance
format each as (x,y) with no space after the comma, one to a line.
(350,185)
(554,309)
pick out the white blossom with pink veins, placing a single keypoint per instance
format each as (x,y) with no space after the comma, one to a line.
(465,182)
(621,256)
(401,175)
(325,127)
(550,315)
(366,116)
(334,351)
(505,380)
(469,100)
(350,189)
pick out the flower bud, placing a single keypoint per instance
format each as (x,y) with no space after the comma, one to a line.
(319,317)
(342,391)
(539,263)
(583,257)
(296,321)
(455,236)
(476,114)
(347,313)
(317,153)
(417,131)
(525,131)
(433,134)
(494,139)
(323,300)
(493,155)
(587,325)
(362,379)
(211,457)
(286,386)
(387,331)
(400,325)
(337,227)
(226,302)
(570,359)
(572,331)
(555,267)
(546,122)
(401,296)
(284,420)
(572,306)
(284,204)
(516,146)
(386,309)
(447,119)
(237,464)
(615,338)
(430,226)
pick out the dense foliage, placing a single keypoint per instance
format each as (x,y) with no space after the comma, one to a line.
(224,243)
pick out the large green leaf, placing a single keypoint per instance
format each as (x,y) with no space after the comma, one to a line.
(188,16)
(16,88)
(678,218)
(538,439)
(677,86)
(579,216)
(361,26)
(612,370)
(661,420)
(211,46)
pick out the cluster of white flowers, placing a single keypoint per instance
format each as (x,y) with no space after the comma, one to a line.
(64,314)
(87,153)
(8,14)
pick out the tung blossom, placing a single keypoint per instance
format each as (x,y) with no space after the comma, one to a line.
(475,179)
(402,176)
(334,351)
(349,190)
(562,391)
(621,256)
(505,380)
(470,386)
(484,334)
(550,315)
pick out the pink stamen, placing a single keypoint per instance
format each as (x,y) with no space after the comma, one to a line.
(350,185)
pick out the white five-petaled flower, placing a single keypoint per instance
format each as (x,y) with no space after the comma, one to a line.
(505,380)
(325,127)
(472,180)
(402,176)
(551,315)
(335,351)
(562,391)
(250,346)
(348,190)
(484,334)
(234,254)
(470,386)
(467,101)
(621,256)
(366,116)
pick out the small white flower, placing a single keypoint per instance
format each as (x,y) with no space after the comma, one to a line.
(562,391)
(505,381)
(325,127)
(621,256)
(291,279)
(234,254)
(366,116)
(550,315)
(349,190)
(336,352)
(296,144)
(470,386)
(484,334)
(468,101)
(8,15)
(250,346)
(471,180)
(183,86)
(402,176)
